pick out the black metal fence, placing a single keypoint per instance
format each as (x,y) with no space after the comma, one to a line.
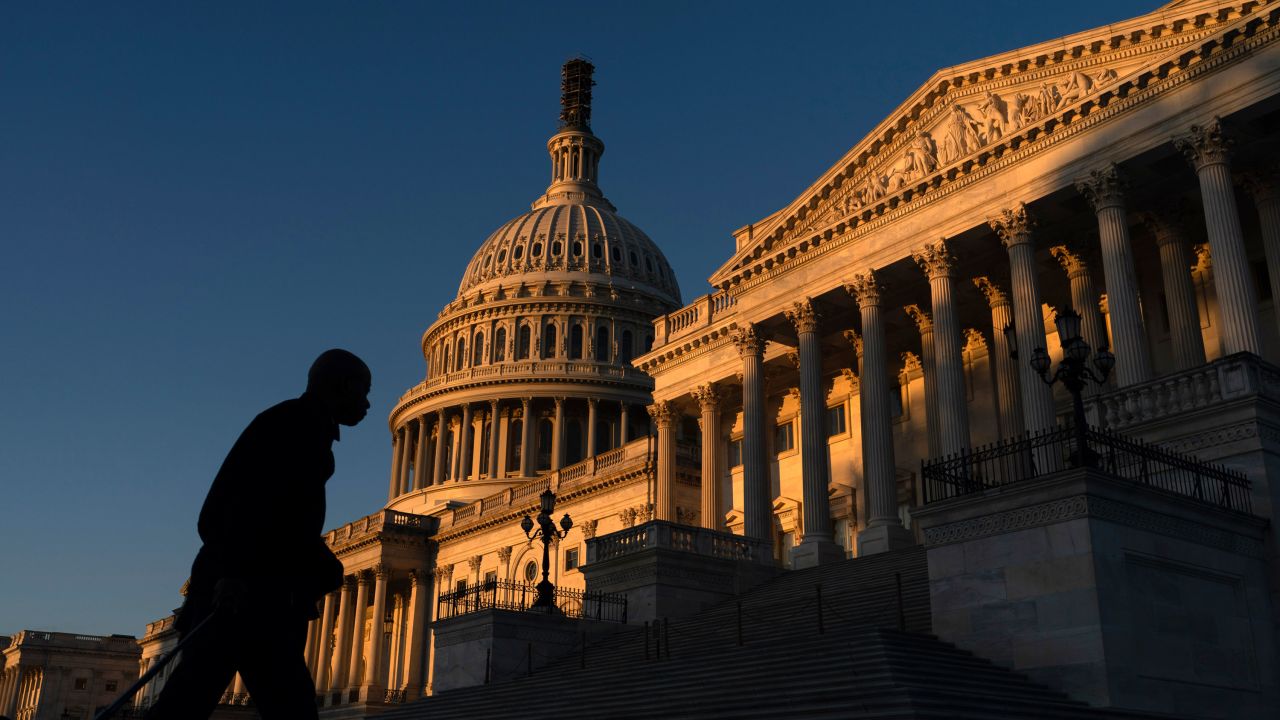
(1033,455)
(507,595)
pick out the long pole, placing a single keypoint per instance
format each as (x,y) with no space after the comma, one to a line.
(155,669)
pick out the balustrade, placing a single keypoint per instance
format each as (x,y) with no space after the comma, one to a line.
(1198,388)
(682,538)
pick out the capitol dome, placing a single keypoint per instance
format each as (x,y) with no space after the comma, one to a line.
(528,370)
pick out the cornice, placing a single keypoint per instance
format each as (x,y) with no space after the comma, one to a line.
(1170,73)
(882,146)
(687,348)
(412,405)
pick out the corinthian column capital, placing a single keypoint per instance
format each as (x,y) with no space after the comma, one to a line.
(1013,225)
(935,259)
(853,339)
(1206,144)
(746,340)
(923,322)
(1262,184)
(1071,262)
(708,396)
(1104,187)
(996,297)
(803,316)
(865,288)
(663,414)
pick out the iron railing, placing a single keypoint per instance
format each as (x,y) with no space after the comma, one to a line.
(1034,455)
(519,597)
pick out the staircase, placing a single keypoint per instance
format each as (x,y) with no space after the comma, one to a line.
(835,641)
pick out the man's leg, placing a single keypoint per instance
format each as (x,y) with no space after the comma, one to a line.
(203,672)
(275,673)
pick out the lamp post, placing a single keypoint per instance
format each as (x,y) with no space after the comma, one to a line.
(548,532)
(1073,373)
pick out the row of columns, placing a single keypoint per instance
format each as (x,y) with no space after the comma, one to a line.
(1024,402)
(407,467)
(336,641)
(20,690)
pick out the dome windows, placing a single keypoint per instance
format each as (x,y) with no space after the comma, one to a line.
(556,248)
(635,260)
(537,250)
(648,261)
(577,249)
(616,254)
(500,344)
(488,260)
(597,250)
(502,256)
(517,253)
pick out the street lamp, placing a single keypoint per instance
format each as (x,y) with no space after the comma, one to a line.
(1073,373)
(548,532)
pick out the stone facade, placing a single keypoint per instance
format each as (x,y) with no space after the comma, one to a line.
(51,675)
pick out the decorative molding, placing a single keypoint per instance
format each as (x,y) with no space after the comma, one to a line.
(1206,145)
(803,316)
(865,288)
(1013,225)
(746,340)
(924,323)
(935,259)
(1104,188)
(1072,263)
(994,294)
(589,528)
(708,397)
(1091,506)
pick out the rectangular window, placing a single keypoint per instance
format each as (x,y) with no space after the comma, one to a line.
(835,421)
(460,586)
(491,579)
(82,683)
(784,438)
(735,453)
(571,559)
(112,685)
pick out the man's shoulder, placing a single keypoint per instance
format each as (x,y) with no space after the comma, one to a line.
(298,414)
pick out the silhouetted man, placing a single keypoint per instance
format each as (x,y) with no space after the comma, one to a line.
(264,564)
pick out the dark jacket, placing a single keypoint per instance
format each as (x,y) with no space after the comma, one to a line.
(263,517)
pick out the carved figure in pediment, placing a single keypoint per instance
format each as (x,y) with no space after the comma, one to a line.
(1025,111)
(995,116)
(924,153)
(962,136)
(1048,100)
(1077,86)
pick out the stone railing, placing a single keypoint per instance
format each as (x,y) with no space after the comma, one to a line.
(30,638)
(683,538)
(622,459)
(585,369)
(1221,381)
(376,522)
(698,314)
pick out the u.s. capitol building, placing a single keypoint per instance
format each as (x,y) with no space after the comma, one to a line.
(863,381)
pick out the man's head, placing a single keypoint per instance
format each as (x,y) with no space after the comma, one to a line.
(341,381)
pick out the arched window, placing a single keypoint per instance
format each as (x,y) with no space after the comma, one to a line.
(460,357)
(448,456)
(500,345)
(537,249)
(577,249)
(517,253)
(523,338)
(502,256)
(545,434)
(602,344)
(515,431)
(549,341)
(447,365)
(575,442)
(634,260)
(477,349)
(575,342)
(556,247)
(597,250)
(616,254)
(627,350)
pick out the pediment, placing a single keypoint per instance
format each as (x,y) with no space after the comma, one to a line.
(969,111)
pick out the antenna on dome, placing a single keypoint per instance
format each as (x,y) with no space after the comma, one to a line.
(575,93)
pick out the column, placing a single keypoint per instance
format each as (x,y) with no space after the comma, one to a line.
(624,423)
(818,544)
(557,436)
(419,593)
(664,416)
(494,450)
(948,347)
(924,324)
(884,529)
(1084,299)
(1014,229)
(9,700)
(526,438)
(1105,191)
(1202,276)
(591,427)
(357,633)
(1209,150)
(343,643)
(406,459)
(392,491)
(420,462)
(711,511)
(757,495)
(1185,339)
(464,462)
(437,465)
(395,653)
(323,650)
(1265,190)
(309,651)
(1009,400)
(373,676)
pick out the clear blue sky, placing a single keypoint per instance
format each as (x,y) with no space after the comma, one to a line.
(196,199)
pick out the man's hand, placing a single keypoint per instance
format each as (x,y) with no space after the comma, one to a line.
(231,595)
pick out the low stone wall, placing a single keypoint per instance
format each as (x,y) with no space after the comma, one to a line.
(1115,594)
